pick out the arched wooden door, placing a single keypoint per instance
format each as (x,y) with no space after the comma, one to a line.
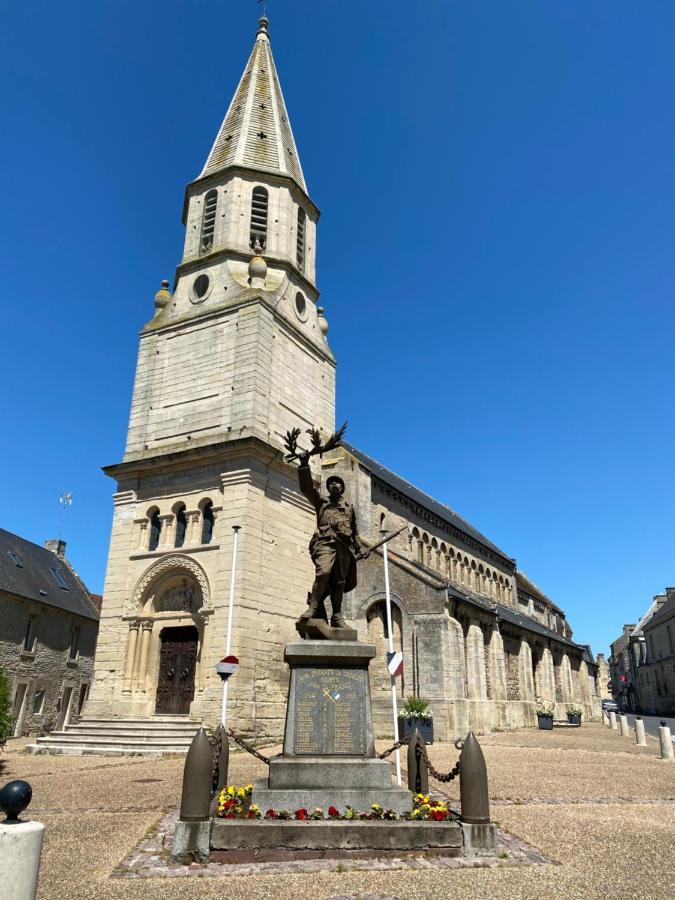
(177,663)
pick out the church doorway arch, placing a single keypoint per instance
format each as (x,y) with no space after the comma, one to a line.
(168,624)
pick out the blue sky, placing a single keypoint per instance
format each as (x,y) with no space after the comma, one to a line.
(495,256)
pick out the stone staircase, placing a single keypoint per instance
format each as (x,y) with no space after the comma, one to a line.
(153,736)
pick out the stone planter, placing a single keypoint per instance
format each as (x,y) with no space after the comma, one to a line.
(545,722)
(424,725)
(574,719)
(247,834)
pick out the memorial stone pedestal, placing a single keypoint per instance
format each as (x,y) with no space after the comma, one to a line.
(329,745)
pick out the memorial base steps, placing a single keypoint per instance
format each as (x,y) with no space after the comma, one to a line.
(152,736)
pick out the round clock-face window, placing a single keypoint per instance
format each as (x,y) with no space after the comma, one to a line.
(300,306)
(200,289)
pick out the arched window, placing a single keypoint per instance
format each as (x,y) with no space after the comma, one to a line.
(259,205)
(300,244)
(208,222)
(181,525)
(155,529)
(207,522)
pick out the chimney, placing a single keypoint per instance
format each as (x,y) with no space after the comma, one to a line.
(57,547)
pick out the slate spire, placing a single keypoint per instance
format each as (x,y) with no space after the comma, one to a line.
(256,131)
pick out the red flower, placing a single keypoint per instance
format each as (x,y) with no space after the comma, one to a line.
(438,815)
(333,812)
(271,814)
(301,814)
(229,816)
(228,804)
(250,815)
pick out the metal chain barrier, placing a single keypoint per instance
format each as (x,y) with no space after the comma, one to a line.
(216,741)
(444,779)
(453,773)
(249,749)
(402,743)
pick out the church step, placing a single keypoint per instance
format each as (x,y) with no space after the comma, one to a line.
(123,735)
(83,749)
(187,728)
(63,737)
(129,732)
(149,722)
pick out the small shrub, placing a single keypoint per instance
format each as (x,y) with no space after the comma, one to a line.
(544,707)
(6,720)
(573,710)
(415,708)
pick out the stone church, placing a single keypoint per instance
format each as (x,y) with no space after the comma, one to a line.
(234,357)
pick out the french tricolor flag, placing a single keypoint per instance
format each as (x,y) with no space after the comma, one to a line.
(395,663)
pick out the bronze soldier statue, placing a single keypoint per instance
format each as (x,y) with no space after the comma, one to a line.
(335,546)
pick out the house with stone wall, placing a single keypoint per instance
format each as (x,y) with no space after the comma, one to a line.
(655,672)
(48,629)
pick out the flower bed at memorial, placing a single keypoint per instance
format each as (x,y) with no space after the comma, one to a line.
(235,803)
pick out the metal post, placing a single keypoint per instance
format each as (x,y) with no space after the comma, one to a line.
(390,632)
(230,610)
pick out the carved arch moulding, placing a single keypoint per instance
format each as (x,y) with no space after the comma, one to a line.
(175,564)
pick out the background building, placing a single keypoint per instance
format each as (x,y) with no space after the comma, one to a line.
(48,628)
(655,681)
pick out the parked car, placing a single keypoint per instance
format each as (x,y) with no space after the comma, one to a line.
(610,706)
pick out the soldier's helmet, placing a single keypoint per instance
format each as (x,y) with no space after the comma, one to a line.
(335,479)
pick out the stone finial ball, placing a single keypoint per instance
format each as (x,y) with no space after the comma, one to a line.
(257,267)
(323,324)
(14,798)
(163,296)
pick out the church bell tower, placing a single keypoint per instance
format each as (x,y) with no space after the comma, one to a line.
(234,357)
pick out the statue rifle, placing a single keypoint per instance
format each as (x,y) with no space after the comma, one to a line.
(386,538)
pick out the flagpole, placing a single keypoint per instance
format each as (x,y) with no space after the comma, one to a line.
(390,632)
(230,610)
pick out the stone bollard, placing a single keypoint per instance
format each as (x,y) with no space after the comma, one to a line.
(612,720)
(20,844)
(623,726)
(479,833)
(605,717)
(191,838)
(640,737)
(666,741)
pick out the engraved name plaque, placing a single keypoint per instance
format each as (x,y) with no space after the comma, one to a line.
(330,712)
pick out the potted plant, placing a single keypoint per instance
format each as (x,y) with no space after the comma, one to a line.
(545,714)
(413,715)
(574,714)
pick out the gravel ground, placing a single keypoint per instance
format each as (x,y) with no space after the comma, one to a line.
(96,809)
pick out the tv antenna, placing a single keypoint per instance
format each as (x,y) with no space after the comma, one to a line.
(65,500)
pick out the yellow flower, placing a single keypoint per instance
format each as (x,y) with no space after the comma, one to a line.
(230,791)
(248,788)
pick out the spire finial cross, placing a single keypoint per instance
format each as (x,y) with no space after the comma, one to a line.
(264,7)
